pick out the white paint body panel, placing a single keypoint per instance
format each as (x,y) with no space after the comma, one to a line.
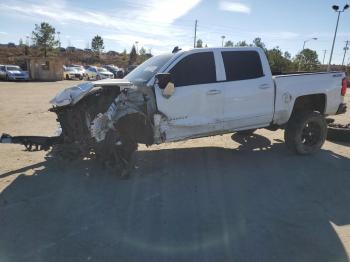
(298,85)
(238,105)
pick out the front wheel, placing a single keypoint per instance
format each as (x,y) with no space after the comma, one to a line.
(306,132)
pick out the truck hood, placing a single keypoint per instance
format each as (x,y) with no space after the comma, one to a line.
(74,94)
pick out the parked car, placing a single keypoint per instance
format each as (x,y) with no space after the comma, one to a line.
(98,73)
(13,72)
(70,73)
(2,72)
(116,71)
(80,69)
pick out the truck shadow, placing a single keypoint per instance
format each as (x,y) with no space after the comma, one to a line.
(254,203)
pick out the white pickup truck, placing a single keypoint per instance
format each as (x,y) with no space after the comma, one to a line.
(198,93)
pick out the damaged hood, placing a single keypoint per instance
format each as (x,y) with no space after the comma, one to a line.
(74,94)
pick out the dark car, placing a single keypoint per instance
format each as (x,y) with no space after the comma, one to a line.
(117,72)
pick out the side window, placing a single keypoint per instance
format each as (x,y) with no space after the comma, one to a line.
(242,65)
(2,68)
(194,69)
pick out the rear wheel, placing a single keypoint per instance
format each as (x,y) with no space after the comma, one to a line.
(306,132)
(67,77)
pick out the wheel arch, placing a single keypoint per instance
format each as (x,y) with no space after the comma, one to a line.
(313,102)
(137,127)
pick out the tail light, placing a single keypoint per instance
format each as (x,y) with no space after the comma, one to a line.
(344,86)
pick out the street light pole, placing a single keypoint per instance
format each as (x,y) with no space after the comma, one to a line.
(314,38)
(335,8)
(137,46)
(324,56)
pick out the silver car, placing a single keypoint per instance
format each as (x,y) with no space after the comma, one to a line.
(13,72)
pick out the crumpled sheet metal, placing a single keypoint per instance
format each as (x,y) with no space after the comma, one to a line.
(72,95)
(126,103)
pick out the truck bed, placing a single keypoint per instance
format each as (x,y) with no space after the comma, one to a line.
(288,87)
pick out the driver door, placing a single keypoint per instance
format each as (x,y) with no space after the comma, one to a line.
(196,106)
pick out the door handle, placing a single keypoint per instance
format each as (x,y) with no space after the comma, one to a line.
(213,92)
(264,86)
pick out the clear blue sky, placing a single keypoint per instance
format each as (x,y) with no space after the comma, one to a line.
(159,25)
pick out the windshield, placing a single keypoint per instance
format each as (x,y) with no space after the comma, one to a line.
(144,72)
(13,68)
(102,70)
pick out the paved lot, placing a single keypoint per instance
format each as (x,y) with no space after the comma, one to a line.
(212,199)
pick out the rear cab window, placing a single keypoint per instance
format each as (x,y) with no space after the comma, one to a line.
(194,69)
(242,65)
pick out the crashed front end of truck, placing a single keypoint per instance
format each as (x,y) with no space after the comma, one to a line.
(104,120)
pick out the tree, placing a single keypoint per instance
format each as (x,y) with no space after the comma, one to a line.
(229,43)
(287,55)
(43,37)
(307,59)
(258,43)
(142,51)
(132,55)
(242,43)
(199,43)
(97,44)
(143,56)
(278,62)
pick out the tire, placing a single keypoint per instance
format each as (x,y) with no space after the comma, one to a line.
(67,77)
(340,133)
(306,133)
(247,132)
(88,78)
(98,77)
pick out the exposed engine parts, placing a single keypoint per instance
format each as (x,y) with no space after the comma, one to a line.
(100,122)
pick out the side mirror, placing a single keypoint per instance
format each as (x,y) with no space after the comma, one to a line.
(162,80)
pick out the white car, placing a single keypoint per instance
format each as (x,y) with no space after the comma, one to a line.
(13,72)
(70,73)
(80,69)
(98,73)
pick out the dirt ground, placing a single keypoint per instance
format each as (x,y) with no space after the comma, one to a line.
(213,199)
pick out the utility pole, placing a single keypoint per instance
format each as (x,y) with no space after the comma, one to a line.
(195,34)
(324,56)
(59,40)
(346,48)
